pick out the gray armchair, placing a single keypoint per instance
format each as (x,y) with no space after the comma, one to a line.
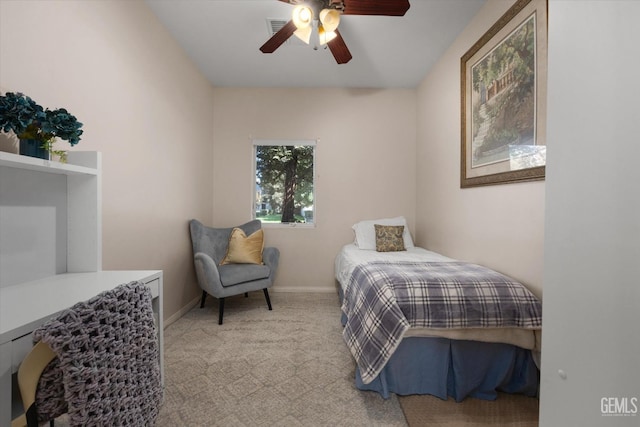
(221,281)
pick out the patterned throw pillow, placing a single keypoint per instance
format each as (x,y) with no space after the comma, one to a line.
(389,238)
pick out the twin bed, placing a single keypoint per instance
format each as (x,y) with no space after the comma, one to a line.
(418,322)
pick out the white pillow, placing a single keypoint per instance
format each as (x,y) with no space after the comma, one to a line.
(366,233)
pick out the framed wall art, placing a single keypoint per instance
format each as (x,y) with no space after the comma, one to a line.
(503,99)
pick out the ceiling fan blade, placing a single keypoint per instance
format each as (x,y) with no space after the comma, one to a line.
(339,49)
(376,7)
(278,38)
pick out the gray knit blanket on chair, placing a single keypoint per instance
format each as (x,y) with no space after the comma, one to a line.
(107,370)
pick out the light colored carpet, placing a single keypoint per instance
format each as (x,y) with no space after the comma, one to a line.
(286,367)
(506,410)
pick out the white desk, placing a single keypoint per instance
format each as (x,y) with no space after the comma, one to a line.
(26,306)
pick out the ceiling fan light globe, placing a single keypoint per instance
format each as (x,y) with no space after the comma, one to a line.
(303,34)
(330,19)
(325,36)
(302,16)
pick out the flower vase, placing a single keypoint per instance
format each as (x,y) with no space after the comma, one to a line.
(33,148)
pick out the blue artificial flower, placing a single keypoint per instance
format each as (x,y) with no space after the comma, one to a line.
(20,114)
(17,112)
(59,123)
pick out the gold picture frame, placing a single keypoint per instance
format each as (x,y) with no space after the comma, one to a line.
(503,89)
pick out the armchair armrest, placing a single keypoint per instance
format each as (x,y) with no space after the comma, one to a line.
(208,275)
(271,258)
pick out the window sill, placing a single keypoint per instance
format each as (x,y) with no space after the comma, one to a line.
(288,225)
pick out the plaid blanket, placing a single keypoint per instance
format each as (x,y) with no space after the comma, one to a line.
(383,300)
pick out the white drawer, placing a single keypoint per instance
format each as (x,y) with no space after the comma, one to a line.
(20,347)
(154,285)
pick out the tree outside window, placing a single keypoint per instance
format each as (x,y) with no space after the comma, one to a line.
(284,177)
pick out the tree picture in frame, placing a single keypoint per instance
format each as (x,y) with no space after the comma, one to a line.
(503,94)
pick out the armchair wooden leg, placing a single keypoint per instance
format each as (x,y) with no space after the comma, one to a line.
(204,296)
(220,310)
(266,295)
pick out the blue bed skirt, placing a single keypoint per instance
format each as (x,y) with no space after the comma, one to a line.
(443,367)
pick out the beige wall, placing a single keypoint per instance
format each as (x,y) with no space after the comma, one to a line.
(143,105)
(365,165)
(499,226)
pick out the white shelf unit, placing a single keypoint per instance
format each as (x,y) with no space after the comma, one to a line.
(50,216)
(88,166)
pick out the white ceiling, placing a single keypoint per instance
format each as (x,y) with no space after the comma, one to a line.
(223,38)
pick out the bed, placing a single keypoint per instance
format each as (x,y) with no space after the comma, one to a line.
(418,322)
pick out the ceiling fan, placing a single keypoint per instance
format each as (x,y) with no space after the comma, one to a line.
(321,18)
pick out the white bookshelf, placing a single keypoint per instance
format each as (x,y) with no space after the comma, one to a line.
(50,216)
(89,166)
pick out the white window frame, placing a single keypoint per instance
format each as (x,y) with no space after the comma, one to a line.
(284,142)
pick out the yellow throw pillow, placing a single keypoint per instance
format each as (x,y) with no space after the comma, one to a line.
(244,249)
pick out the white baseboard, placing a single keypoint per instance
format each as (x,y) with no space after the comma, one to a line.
(304,289)
(184,310)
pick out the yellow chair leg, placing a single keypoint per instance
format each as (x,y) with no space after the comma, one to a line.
(21,421)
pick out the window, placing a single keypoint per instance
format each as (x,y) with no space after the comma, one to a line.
(284,181)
